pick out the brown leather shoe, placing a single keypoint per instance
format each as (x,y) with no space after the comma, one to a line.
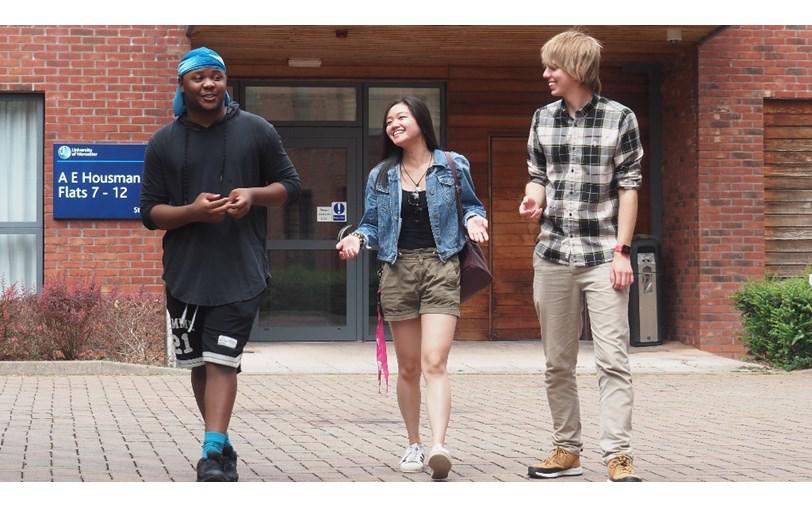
(621,469)
(560,462)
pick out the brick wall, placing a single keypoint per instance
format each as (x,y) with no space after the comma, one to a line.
(100,85)
(680,242)
(738,68)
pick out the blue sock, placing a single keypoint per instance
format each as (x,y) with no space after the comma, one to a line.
(227,442)
(213,442)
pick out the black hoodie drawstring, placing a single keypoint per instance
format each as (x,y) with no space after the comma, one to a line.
(225,145)
(183,172)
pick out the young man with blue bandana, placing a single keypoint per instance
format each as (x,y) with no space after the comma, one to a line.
(208,177)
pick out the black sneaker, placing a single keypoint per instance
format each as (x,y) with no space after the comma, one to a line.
(230,464)
(210,469)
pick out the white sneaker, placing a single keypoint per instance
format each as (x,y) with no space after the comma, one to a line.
(412,460)
(439,462)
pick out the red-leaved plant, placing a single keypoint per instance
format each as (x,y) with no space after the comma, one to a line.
(78,321)
(69,316)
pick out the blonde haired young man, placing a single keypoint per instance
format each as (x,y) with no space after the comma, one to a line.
(583,162)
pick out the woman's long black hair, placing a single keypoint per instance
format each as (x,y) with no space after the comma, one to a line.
(391,153)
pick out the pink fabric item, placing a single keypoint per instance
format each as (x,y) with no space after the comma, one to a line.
(380,352)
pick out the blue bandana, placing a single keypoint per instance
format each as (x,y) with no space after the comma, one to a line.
(199,58)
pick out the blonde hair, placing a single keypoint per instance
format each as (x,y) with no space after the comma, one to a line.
(578,54)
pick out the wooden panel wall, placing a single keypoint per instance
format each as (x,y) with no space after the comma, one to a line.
(514,315)
(788,186)
(485,102)
(359,46)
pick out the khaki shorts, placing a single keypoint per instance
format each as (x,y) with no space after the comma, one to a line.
(419,283)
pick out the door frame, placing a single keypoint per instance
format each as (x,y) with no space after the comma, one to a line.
(359,269)
(315,137)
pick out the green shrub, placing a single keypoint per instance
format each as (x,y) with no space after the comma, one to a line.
(778,321)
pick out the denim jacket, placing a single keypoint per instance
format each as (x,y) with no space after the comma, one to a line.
(381,222)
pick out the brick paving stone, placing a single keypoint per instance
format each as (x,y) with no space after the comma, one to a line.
(687,427)
(96,477)
(10,476)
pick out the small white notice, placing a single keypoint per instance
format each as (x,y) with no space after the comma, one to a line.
(324,214)
(336,212)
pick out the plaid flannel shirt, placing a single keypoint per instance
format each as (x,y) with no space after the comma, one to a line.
(581,163)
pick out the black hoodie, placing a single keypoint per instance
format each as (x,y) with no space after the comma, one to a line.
(215,264)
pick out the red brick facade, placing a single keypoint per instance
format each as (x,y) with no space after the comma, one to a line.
(680,242)
(100,85)
(738,67)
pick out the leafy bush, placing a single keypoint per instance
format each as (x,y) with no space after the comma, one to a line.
(20,331)
(136,328)
(69,322)
(70,316)
(778,321)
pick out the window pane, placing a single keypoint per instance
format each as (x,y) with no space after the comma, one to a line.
(302,103)
(20,151)
(324,180)
(307,288)
(18,261)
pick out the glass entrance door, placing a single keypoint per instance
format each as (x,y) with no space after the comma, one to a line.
(313,295)
(333,134)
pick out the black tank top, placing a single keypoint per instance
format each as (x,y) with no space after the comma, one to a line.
(415,232)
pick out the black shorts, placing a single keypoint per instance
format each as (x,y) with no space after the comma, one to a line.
(211,334)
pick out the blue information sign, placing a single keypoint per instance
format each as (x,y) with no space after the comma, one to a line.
(97,181)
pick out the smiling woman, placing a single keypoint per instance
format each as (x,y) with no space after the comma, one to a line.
(410,216)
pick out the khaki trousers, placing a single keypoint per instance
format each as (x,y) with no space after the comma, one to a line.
(559,292)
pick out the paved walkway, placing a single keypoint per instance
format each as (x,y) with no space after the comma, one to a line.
(697,417)
(472,357)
